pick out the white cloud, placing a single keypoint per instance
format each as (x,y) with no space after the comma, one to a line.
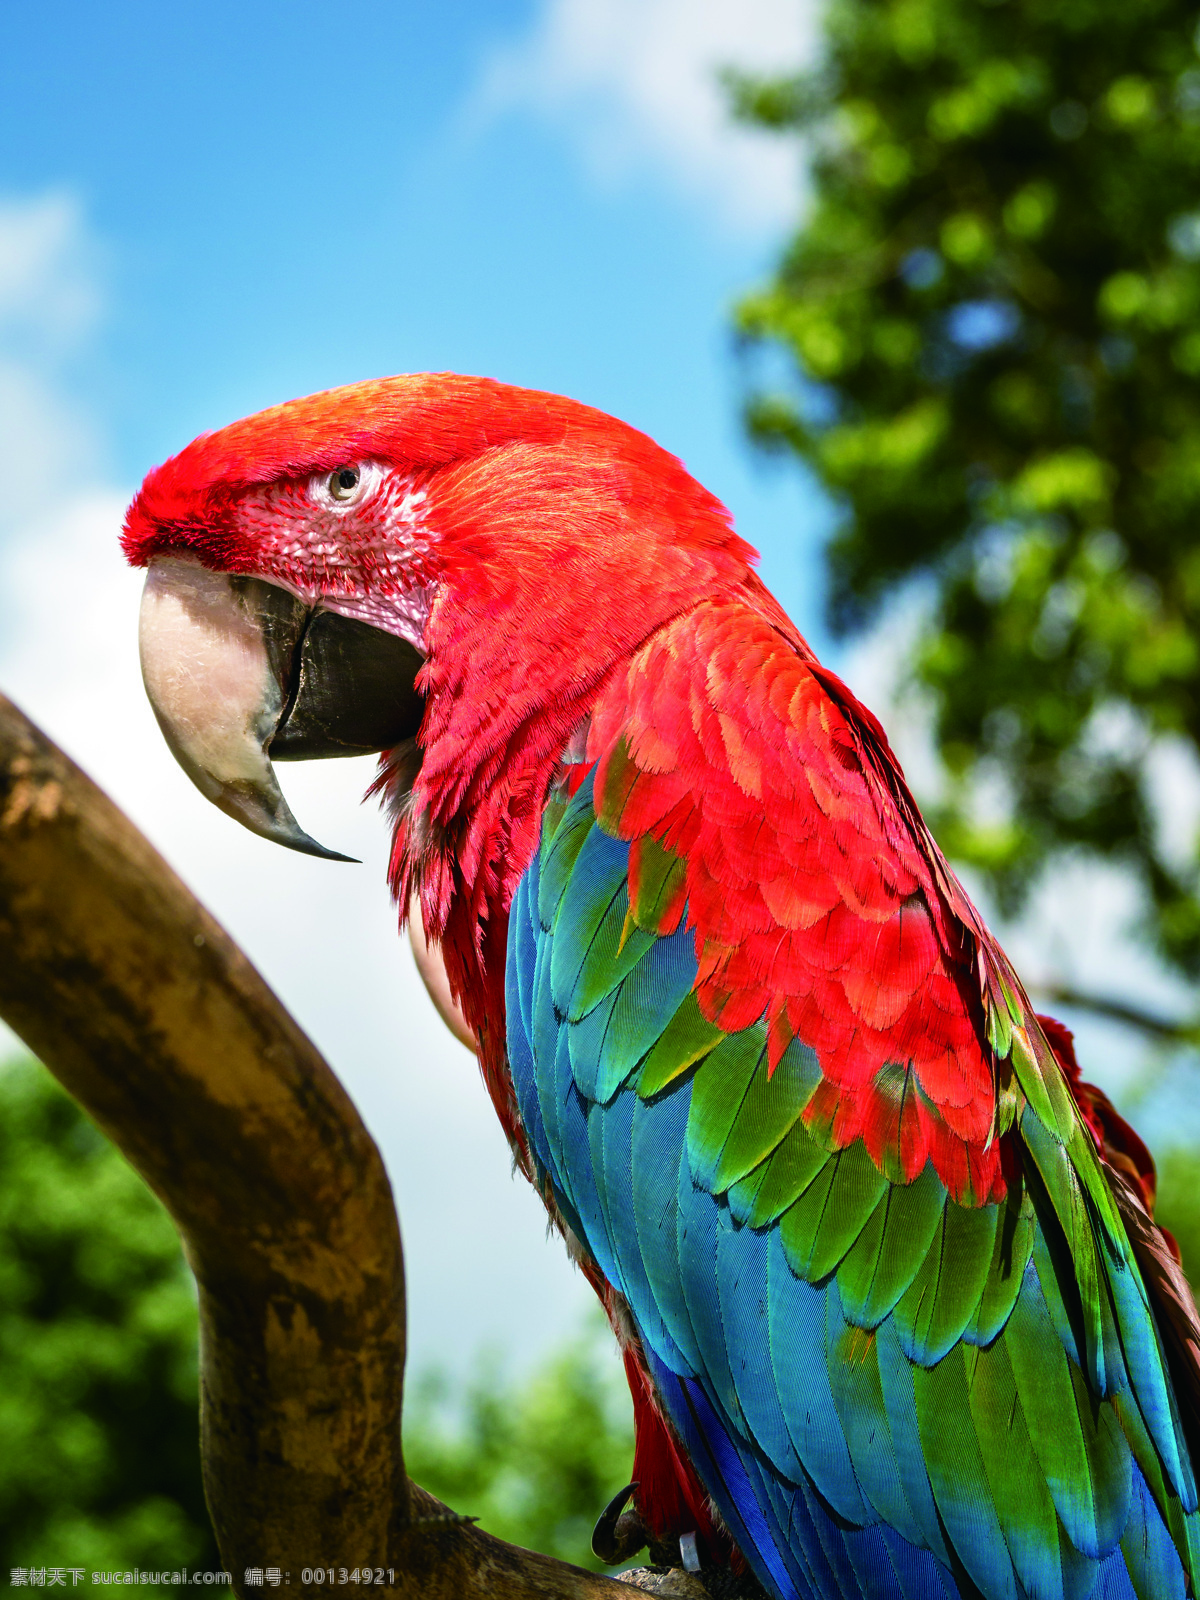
(323,935)
(635,84)
(49,300)
(48,289)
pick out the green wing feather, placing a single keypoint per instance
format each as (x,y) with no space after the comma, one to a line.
(994,1370)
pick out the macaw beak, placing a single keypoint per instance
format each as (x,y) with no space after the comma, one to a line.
(241,674)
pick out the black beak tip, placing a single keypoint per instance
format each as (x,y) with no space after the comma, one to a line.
(310,847)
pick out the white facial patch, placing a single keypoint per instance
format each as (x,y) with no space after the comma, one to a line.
(405,615)
(366,556)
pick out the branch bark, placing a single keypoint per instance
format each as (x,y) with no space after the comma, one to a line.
(1164,1029)
(149,1014)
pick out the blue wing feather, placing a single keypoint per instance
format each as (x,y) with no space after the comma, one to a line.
(696,1215)
(853,1364)
(834,1434)
(919,1574)
(609,1042)
(1154,1567)
(659,1129)
(743,1297)
(796,1313)
(616,1176)
(899,1401)
(587,1046)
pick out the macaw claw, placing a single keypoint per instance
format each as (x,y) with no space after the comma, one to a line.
(618,1533)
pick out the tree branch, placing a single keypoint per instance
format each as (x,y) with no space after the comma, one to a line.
(1149,1022)
(149,1014)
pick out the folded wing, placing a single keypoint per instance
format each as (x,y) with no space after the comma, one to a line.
(792,1099)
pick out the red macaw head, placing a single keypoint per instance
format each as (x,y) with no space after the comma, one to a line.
(440,567)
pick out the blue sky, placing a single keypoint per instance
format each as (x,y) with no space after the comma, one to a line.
(204,210)
(283,197)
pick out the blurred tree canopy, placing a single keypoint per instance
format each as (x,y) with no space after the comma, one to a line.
(1178,1204)
(992,306)
(535,1459)
(99,1454)
(99,1447)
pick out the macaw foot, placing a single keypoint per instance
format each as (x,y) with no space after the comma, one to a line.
(619,1533)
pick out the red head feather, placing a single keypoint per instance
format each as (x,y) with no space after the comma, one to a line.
(552,541)
(423,422)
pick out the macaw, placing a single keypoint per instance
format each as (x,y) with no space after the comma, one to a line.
(895,1315)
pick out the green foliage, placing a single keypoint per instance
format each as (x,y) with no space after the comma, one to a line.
(535,1461)
(99,1456)
(993,310)
(1178,1206)
(99,1452)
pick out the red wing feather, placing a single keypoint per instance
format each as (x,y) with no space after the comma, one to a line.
(817,898)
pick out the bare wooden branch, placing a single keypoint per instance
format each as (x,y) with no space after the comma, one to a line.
(1165,1030)
(149,1014)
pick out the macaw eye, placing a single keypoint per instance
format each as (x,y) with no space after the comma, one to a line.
(345,487)
(343,484)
